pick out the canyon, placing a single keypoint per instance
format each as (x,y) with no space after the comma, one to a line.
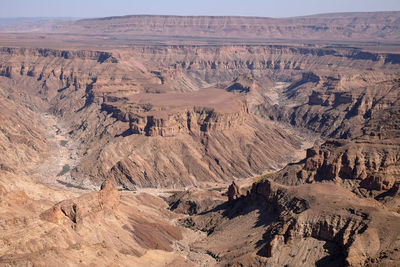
(121,138)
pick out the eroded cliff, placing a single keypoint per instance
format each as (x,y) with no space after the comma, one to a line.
(149,113)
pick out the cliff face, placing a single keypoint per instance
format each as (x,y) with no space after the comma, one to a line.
(23,136)
(211,104)
(105,226)
(273,225)
(340,27)
(354,26)
(193,120)
(131,108)
(99,56)
(338,106)
(110,106)
(369,168)
(364,155)
(354,161)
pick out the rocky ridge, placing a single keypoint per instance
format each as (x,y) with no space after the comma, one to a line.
(179,116)
(298,225)
(382,26)
(126,97)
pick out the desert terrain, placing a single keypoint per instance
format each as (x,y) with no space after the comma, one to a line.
(201,141)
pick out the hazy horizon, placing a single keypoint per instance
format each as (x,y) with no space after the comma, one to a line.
(75,9)
(155,14)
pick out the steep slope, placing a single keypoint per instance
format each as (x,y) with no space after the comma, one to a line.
(127,110)
(45,222)
(360,113)
(305,225)
(99,87)
(204,111)
(103,227)
(348,27)
(22,132)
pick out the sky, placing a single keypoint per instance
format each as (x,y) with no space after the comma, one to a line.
(262,8)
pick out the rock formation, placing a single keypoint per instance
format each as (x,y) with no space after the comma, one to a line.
(380,26)
(234,191)
(103,227)
(295,223)
(75,210)
(109,104)
(195,201)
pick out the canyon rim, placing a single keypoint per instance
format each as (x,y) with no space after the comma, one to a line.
(155,140)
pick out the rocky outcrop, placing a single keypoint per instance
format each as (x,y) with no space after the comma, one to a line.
(277,195)
(234,191)
(101,102)
(364,154)
(147,121)
(75,210)
(368,163)
(296,219)
(368,168)
(194,201)
(98,56)
(242,84)
(199,113)
(355,26)
(95,228)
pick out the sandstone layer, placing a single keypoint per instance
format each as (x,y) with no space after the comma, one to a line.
(378,26)
(162,113)
(305,225)
(203,109)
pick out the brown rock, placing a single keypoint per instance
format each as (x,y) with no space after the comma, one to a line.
(159,115)
(75,210)
(195,201)
(378,182)
(234,191)
(292,220)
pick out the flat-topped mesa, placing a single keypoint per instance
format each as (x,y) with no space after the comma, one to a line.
(193,120)
(352,26)
(99,56)
(260,58)
(168,114)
